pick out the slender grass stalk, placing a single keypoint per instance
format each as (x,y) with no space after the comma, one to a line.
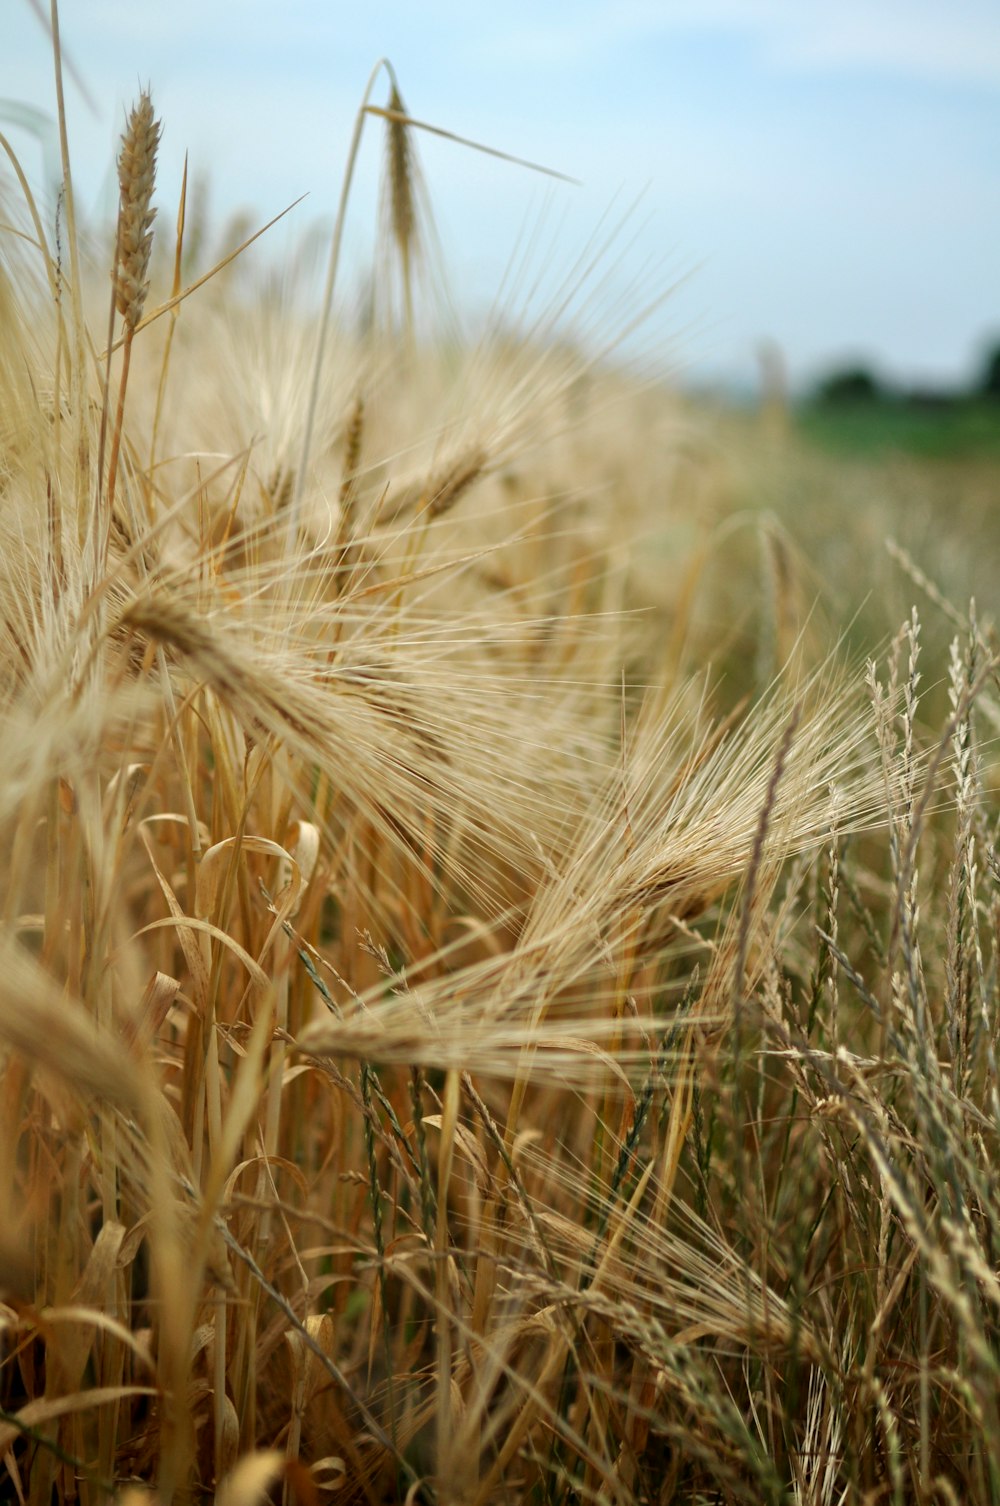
(326,306)
(136,181)
(77,361)
(168,343)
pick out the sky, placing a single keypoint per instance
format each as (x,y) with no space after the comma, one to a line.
(825,178)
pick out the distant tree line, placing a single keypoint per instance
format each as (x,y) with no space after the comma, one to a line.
(858,385)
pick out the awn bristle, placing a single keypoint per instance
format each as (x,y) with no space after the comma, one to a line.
(136,179)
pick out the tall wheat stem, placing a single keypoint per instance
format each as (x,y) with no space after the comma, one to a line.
(136,178)
(327,305)
(77,364)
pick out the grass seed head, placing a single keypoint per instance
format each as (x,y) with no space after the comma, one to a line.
(401,174)
(136,180)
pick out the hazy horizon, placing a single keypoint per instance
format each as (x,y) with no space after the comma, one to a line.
(829,182)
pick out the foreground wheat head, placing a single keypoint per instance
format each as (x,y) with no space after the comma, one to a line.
(437,1063)
(136,179)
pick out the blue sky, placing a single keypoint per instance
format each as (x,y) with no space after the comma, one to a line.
(830,175)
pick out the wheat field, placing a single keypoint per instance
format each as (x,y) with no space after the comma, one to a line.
(499,931)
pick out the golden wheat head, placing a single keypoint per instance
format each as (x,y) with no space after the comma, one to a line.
(136,180)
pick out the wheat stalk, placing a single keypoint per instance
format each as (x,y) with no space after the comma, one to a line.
(136,181)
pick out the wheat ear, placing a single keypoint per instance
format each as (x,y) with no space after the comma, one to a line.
(401,201)
(136,180)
